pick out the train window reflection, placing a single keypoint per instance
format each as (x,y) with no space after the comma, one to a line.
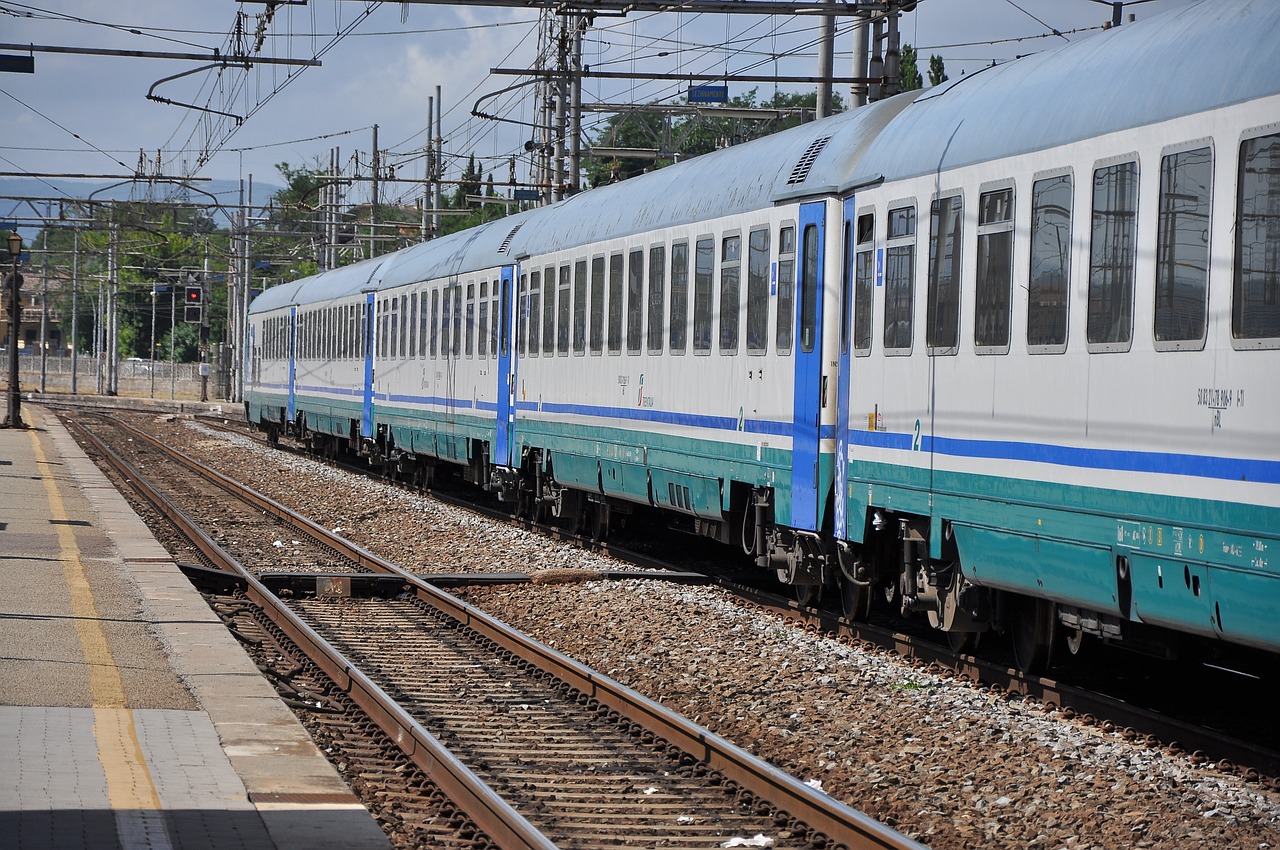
(993,287)
(863,283)
(1182,248)
(946,216)
(1255,301)
(786,288)
(899,280)
(758,292)
(809,269)
(704,265)
(1050,272)
(1112,253)
(679,319)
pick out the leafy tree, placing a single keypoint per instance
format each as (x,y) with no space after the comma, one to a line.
(937,71)
(186,343)
(911,79)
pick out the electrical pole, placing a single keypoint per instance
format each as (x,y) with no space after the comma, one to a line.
(858,91)
(375,163)
(75,307)
(826,62)
(438,171)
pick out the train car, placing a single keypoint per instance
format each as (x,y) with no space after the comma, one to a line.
(1058,386)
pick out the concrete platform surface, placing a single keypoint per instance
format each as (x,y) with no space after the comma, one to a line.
(129,717)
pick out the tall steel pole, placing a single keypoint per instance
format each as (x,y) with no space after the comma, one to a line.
(14,417)
(44,311)
(75,307)
(858,91)
(826,63)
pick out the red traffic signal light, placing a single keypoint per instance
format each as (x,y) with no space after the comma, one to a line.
(194,296)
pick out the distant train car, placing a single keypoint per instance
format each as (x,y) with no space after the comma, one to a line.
(1000,353)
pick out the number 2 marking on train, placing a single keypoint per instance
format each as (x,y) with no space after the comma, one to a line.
(915,442)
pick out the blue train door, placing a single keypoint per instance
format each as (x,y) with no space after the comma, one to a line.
(293,359)
(506,374)
(366,418)
(848,232)
(807,413)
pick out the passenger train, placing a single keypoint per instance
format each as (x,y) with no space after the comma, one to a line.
(1001,353)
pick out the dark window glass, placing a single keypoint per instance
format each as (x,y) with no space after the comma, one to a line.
(394,342)
(657,296)
(597,304)
(549,311)
(809,284)
(471,319)
(535,311)
(846,287)
(730,293)
(493,322)
(704,269)
(457,320)
(564,307)
(786,288)
(946,217)
(504,310)
(758,291)
(635,301)
(413,325)
(435,320)
(1112,251)
(994,285)
(580,306)
(1050,261)
(1255,297)
(1182,246)
(679,296)
(522,315)
(615,303)
(483,348)
(864,282)
(446,322)
(899,279)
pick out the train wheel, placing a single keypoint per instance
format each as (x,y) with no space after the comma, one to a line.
(963,642)
(807,594)
(1032,628)
(855,600)
(599,522)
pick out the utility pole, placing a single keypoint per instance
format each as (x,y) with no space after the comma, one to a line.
(826,62)
(44,309)
(858,91)
(375,164)
(428,170)
(575,123)
(75,307)
(438,170)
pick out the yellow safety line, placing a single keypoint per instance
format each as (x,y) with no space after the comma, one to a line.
(129,782)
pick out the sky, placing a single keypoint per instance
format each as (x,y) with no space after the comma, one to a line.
(89,114)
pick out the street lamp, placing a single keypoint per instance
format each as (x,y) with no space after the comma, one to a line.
(14,419)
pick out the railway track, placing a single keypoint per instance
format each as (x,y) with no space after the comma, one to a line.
(579,760)
(1237,744)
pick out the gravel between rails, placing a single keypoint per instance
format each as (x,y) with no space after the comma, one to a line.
(952,765)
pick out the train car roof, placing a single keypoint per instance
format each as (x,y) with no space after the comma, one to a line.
(809,160)
(1179,62)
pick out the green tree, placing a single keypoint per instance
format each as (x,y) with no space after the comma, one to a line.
(937,71)
(911,79)
(186,343)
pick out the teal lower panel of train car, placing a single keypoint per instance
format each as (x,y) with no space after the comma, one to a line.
(1195,565)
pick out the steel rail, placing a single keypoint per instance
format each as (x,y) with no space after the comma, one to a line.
(844,825)
(487,809)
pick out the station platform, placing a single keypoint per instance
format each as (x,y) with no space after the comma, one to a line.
(129,716)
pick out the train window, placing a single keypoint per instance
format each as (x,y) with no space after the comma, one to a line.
(522,314)
(678,336)
(730,292)
(704,269)
(1182,249)
(435,319)
(942,311)
(1112,252)
(493,321)
(863,282)
(394,340)
(383,330)
(597,304)
(615,304)
(564,306)
(549,310)
(657,296)
(758,291)
(635,301)
(1050,272)
(786,287)
(483,334)
(993,288)
(1255,297)
(535,312)
(899,280)
(446,320)
(424,324)
(404,325)
(457,320)
(413,325)
(810,268)
(846,286)
(580,306)
(471,319)
(503,309)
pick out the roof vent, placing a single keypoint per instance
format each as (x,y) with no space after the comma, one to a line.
(801,170)
(505,247)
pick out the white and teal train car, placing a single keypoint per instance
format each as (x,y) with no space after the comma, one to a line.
(1003,352)
(1060,402)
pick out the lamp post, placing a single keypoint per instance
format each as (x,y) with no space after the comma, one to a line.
(14,417)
